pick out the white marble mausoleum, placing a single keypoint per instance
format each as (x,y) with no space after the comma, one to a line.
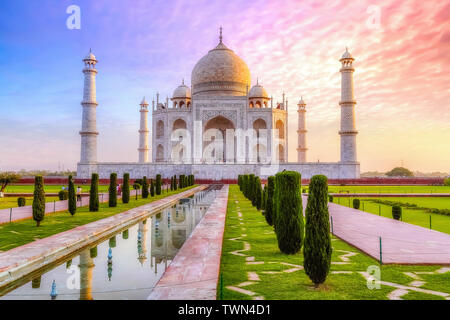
(219,126)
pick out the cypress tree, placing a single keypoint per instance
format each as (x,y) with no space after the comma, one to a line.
(251,187)
(144,188)
(180,181)
(317,249)
(193,180)
(289,212)
(152,188)
(93,194)
(240,182)
(126,188)
(72,197)
(158,184)
(38,200)
(113,190)
(175,185)
(258,194)
(263,198)
(171,183)
(269,200)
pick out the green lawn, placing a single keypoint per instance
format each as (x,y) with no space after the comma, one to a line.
(11,202)
(388,189)
(19,233)
(418,217)
(50,188)
(279,278)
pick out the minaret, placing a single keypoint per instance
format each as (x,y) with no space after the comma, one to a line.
(301,150)
(143,133)
(89,121)
(348,130)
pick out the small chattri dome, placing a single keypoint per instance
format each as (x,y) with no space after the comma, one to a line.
(182,92)
(302,102)
(258,91)
(90,56)
(347,54)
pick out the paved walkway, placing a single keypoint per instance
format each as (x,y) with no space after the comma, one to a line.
(401,242)
(194,273)
(35,255)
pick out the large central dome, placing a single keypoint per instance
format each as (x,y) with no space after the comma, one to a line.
(221,72)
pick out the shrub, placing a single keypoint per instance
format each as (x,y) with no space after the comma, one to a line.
(152,188)
(21,201)
(330,198)
(171,183)
(113,190)
(63,195)
(93,252)
(144,188)
(38,200)
(72,197)
(317,249)
(269,200)
(399,172)
(240,182)
(447,182)
(396,212)
(94,203)
(289,212)
(356,204)
(193,180)
(175,185)
(139,181)
(126,188)
(304,190)
(181,181)
(158,184)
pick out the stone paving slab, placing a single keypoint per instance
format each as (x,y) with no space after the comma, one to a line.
(194,272)
(19,261)
(401,242)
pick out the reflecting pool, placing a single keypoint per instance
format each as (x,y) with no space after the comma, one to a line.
(125,266)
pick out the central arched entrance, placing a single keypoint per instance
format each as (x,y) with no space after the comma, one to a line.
(215,141)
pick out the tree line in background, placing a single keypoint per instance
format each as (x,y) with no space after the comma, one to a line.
(148,189)
(281,204)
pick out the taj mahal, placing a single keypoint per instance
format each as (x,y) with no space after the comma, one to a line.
(219,127)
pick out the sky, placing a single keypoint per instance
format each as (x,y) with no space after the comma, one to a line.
(402,77)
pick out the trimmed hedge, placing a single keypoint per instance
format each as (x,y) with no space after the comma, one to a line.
(356,204)
(152,188)
(268,213)
(396,212)
(72,197)
(144,188)
(330,198)
(289,212)
(158,184)
(126,188)
(112,202)
(38,200)
(317,249)
(94,203)
(257,193)
(21,202)
(63,195)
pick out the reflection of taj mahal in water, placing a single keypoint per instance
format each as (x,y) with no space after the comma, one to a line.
(219,127)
